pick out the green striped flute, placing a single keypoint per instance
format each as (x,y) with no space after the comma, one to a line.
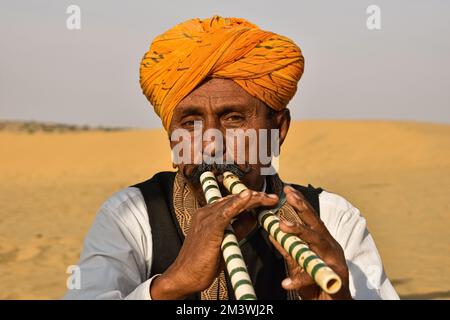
(323,275)
(232,255)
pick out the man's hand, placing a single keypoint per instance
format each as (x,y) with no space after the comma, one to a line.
(316,235)
(199,260)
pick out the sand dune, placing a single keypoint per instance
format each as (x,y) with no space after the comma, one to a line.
(396,173)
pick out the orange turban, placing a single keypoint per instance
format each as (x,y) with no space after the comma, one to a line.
(266,65)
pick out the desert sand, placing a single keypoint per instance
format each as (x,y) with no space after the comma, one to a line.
(396,173)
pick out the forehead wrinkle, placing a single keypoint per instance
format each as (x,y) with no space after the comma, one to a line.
(213,96)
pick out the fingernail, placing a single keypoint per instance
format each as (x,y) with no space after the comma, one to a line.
(295,195)
(290,188)
(288,223)
(287,282)
(271,195)
(244,194)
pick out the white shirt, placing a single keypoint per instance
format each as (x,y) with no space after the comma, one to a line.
(117,256)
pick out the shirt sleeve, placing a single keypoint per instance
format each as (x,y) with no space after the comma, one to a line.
(116,257)
(368,279)
(142,292)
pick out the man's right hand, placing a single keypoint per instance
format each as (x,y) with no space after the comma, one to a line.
(198,263)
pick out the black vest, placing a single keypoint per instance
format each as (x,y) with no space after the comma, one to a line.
(265,265)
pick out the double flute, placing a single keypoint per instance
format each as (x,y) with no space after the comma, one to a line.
(323,275)
(232,255)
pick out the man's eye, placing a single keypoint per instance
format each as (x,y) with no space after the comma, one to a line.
(234,117)
(188,123)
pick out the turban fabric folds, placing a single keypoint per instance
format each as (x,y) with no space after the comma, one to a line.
(266,65)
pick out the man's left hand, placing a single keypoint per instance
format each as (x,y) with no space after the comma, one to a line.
(316,235)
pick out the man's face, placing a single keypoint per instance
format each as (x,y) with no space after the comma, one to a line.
(223,105)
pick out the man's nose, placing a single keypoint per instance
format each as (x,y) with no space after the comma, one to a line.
(213,138)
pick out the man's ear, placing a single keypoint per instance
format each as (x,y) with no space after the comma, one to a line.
(283,121)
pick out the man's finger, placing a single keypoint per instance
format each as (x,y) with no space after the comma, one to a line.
(300,230)
(298,278)
(297,282)
(303,208)
(245,200)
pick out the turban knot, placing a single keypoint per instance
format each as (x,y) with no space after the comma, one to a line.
(266,65)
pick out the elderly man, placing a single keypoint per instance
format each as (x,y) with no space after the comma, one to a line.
(160,239)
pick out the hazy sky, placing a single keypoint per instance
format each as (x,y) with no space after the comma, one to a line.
(91,76)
